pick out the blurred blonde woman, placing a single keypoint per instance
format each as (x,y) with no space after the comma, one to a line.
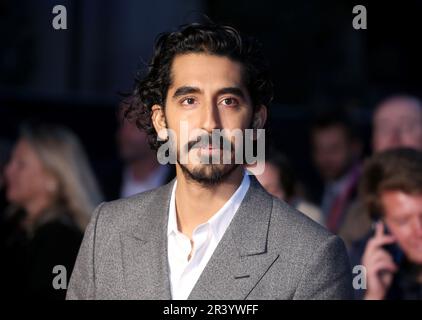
(52,192)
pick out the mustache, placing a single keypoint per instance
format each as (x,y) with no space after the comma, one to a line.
(207,140)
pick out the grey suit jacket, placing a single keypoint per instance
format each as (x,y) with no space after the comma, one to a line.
(269,251)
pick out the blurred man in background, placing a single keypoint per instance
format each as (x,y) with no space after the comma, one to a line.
(139,169)
(391,191)
(397,122)
(336,153)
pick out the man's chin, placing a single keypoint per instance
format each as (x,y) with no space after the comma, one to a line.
(208,174)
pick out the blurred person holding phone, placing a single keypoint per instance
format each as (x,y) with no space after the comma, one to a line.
(396,123)
(52,191)
(391,189)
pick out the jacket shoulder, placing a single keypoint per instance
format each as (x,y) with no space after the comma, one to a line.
(293,230)
(121,214)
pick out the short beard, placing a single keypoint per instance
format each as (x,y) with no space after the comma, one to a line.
(217,175)
(208,174)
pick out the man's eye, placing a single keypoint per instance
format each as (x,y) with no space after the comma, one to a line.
(229,101)
(188,101)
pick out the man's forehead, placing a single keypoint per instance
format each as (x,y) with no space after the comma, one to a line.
(201,69)
(403,107)
(401,201)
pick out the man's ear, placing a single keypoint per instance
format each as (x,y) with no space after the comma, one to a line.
(159,121)
(259,117)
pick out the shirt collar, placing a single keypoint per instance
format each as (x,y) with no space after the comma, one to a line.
(221,219)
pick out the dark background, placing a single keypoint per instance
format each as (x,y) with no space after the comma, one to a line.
(318,61)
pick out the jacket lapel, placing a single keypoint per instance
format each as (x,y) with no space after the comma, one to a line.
(144,250)
(241,258)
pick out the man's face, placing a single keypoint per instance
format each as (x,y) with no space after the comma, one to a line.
(403,216)
(207,92)
(332,152)
(397,123)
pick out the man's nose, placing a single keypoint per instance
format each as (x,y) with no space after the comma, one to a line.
(396,139)
(211,117)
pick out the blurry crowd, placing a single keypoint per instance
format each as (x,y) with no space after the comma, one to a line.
(48,191)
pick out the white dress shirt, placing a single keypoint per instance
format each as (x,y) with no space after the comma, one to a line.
(185,273)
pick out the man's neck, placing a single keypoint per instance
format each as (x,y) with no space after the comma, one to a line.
(196,203)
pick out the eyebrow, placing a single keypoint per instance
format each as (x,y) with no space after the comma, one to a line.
(185,90)
(232,90)
(191,90)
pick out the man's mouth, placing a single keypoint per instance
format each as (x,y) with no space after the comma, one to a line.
(209,149)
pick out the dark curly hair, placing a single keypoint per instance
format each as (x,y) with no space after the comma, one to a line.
(208,38)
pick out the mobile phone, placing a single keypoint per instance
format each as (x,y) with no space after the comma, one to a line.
(393,248)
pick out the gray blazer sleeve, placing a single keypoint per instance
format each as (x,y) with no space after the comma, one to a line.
(82,282)
(328,274)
